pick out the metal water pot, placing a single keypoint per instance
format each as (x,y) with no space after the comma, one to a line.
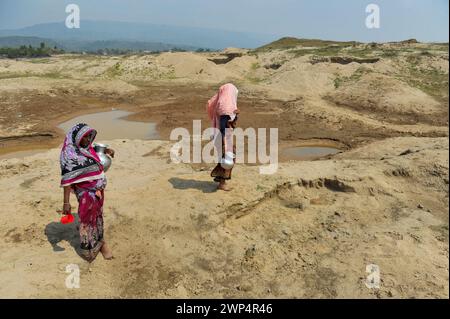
(228,161)
(105,160)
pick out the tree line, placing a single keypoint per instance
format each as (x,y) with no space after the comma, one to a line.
(29,51)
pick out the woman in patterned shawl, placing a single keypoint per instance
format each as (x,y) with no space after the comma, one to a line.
(83,174)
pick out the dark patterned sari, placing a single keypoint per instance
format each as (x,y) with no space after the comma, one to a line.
(82,171)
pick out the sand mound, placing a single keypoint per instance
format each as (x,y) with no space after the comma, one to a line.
(380,93)
(193,67)
(303,78)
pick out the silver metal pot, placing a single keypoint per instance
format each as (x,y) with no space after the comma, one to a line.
(228,161)
(105,160)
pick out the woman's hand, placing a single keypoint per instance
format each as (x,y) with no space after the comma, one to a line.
(110,152)
(66,209)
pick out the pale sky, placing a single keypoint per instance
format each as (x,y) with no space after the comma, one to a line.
(425,20)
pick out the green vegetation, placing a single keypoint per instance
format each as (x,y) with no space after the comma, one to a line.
(49,75)
(321,48)
(254,80)
(432,81)
(323,51)
(255,66)
(355,77)
(337,49)
(389,53)
(337,81)
(40,61)
(13,75)
(169,75)
(291,43)
(29,51)
(115,70)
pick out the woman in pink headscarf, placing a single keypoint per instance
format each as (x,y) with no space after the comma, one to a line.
(222,111)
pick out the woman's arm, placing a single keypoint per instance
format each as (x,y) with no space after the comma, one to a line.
(66,203)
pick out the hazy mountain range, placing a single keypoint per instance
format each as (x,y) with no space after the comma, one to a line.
(94,35)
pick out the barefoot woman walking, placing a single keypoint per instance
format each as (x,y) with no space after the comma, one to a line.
(83,174)
(222,111)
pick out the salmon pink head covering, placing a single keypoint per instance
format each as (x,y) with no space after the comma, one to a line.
(223,103)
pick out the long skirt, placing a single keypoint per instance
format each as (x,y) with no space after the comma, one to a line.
(219,173)
(90,212)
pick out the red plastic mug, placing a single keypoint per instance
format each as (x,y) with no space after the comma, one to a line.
(67,219)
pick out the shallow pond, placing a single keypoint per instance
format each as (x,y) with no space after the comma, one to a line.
(308,152)
(112,125)
(109,125)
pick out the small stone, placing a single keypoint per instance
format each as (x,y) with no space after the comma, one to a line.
(420,206)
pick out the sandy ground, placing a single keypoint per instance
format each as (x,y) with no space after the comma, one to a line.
(309,230)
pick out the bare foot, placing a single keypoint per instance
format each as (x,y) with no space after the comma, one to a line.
(224,187)
(106,252)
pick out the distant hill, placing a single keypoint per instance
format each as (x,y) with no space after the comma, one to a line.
(142,32)
(290,43)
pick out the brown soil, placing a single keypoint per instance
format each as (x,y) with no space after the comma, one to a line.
(172,106)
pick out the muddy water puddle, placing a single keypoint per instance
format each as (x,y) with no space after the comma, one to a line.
(109,125)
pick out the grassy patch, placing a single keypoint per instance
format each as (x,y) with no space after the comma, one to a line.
(255,66)
(115,70)
(324,51)
(355,77)
(291,43)
(338,81)
(254,80)
(52,75)
(13,75)
(39,61)
(49,75)
(431,81)
(170,75)
(390,53)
